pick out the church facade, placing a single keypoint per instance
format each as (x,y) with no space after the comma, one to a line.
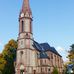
(33,57)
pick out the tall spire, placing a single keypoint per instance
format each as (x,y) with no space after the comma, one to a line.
(26,7)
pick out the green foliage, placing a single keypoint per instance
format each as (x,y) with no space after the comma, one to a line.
(8,57)
(2,63)
(71,53)
(55,70)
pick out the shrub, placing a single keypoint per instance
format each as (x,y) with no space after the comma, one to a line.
(55,71)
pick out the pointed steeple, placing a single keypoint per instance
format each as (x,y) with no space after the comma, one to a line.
(26,7)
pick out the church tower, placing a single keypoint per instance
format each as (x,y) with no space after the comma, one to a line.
(26,55)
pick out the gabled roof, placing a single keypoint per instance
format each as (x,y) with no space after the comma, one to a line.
(47,47)
(37,46)
(55,51)
(43,47)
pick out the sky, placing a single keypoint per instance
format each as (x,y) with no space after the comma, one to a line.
(53,22)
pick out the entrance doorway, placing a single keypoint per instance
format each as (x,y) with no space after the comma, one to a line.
(21,71)
(34,71)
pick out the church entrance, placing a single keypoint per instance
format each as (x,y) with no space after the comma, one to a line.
(22,72)
(34,71)
(22,69)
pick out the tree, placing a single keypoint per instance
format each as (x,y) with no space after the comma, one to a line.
(2,63)
(55,70)
(71,56)
(65,67)
(9,54)
(71,53)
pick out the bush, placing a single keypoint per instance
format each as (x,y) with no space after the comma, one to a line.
(55,70)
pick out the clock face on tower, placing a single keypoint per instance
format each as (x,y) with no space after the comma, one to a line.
(22,14)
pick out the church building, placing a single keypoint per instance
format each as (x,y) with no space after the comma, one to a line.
(33,57)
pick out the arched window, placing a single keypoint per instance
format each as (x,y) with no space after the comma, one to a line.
(30,26)
(21,55)
(22,26)
(51,56)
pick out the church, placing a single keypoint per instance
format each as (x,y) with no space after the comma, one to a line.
(33,57)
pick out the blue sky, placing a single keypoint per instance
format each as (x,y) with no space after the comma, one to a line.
(53,22)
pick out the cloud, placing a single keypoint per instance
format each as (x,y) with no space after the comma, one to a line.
(59,48)
(62,52)
(0,43)
(1,46)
